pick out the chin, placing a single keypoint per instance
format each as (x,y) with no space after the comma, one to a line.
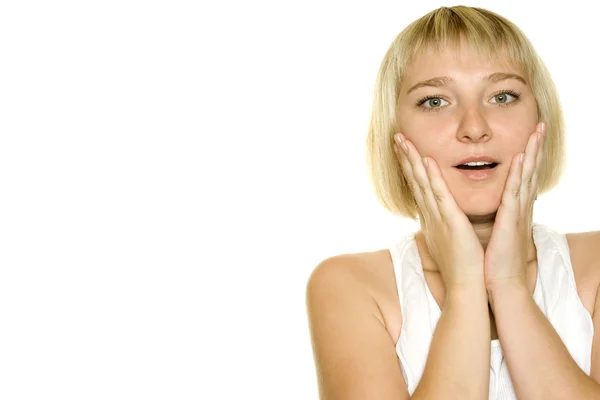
(480,206)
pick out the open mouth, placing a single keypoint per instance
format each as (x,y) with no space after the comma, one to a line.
(477,167)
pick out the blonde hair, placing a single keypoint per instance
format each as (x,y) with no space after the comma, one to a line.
(487,33)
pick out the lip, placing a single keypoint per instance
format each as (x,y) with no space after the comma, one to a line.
(478,174)
(481,157)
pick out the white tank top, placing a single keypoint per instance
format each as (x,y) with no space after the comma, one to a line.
(555,293)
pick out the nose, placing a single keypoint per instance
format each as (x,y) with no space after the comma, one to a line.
(473,126)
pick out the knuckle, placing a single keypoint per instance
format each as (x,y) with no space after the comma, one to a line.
(444,219)
(412,186)
(529,184)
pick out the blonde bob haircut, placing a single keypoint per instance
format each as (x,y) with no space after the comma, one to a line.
(493,37)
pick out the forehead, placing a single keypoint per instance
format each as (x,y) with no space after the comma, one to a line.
(461,63)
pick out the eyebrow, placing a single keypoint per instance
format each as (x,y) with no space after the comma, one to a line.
(441,81)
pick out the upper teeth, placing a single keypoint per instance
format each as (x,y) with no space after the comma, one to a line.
(477,163)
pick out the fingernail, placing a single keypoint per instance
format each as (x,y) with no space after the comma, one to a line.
(425,162)
(521,158)
(397,139)
(403,145)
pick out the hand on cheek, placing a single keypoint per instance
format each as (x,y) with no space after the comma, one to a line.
(450,237)
(506,254)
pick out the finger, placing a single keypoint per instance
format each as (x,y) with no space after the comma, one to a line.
(538,166)
(530,156)
(419,175)
(512,188)
(408,171)
(445,201)
(529,166)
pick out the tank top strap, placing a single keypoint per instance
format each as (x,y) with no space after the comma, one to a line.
(554,266)
(553,245)
(398,252)
(419,318)
(559,298)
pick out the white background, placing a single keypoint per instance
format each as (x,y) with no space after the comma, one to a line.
(171,172)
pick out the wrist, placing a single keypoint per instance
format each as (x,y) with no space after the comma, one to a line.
(465,284)
(505,289)
(467,290)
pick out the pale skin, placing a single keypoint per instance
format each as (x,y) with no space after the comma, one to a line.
(352,300)
(471,115)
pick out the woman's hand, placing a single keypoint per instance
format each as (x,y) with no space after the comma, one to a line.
(510,240)
(449,235)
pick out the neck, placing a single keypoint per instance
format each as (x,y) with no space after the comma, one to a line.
(483,227)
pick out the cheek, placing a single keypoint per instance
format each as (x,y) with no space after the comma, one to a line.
(430,146)
(438,147)
(431,136)
(513,133)
(512,143)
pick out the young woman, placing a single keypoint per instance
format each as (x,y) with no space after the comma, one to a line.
(466,131)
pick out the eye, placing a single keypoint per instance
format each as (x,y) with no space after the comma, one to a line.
(503,96)
(434,102)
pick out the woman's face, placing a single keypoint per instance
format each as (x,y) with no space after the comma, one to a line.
(467,115)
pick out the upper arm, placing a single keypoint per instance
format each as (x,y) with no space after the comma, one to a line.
(592,257)
(355,357)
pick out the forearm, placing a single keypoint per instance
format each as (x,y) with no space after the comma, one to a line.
(539,364)
(458,364)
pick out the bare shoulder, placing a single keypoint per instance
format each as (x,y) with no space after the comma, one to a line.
(584,248)
(368,272)
(334,275)
(585,251)
(354,355)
